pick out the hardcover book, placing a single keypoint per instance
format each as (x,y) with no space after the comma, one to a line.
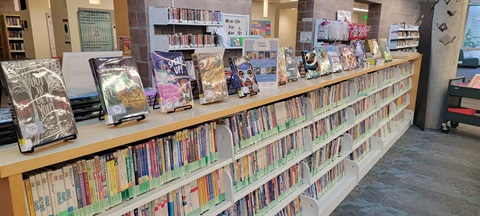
(172,80)
(385,50)
(38,96)
(350,59)
(334,56)
(120,88)
(263,54)
(375,49)
(360,53)
(243,70)
(323,61)
(310,62)
(289,65)
(210,73)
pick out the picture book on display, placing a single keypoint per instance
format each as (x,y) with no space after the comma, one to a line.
(310,62)
(120,88)
(172,81)
(289,65)
(334,56)
(39,100)
(243,70)
(375,49)
(385,50)
(350,58)
(263,54)
(360,53)
(323,61)
(210,73)
(282,74)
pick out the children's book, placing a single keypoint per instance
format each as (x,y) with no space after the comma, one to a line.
(120,88)
(310,62)
(360,53)
(242,69)
(39,101)
(290,66)
(348,54)
(375,49)
(385,50)
(172,81)
(334,56)
(210,73)
(323,61)
(343,58)
(263,54)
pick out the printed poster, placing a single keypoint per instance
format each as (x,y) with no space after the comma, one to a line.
(124,44)
(96,30)
(261,27)
(235,24)
(305,37)
(263,54)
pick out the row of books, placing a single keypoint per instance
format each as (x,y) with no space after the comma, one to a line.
(183,15)
(408,34)
(402,43)
(268,195)
(255,165)
(253,126)
(16,46)
(363,106)
(102,181)
(327,98)
(12,21)
(7,129)
(325,155)
(322,185)
(85,107)
(401,101)
(15,34)
(328,126)
(384,113)
(388,75)
(361,129)
(191,199)
(294,208)
(400,116)
(359,153)
(384,131)
(403,84)
(386,93)
(191,40)
(366,83)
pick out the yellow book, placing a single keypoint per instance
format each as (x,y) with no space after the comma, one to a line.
(28,191)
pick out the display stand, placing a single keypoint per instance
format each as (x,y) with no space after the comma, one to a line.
(181,108)
(101,114)
(65,138)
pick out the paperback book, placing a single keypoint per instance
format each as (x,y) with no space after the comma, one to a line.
(288,64)
(324,65)
(172,81)
(349,55)
(385,50)
(334,56)
(39,100)
(375,49)
(263,54)
(210,73)
(120,88)
(310,62)
(243,70)
(360,53)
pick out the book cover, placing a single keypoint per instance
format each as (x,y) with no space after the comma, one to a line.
(282,70)
(263,54)
(475,82)
(310,62)
(290,64)
(375,49)
(325,67)
(334,56)
(120,88)
(39,101)
(246,77)
(172,80)
(360,53)
(385,50)
(210,77)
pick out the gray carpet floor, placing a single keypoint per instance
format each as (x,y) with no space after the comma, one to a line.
(424,173)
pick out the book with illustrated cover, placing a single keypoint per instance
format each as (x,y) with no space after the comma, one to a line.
(310,62)
(290,66)
(334,56)
(360,53)
(172,80)
(345,61)
(210,73)
(349,55)
(243,70)
(120,88)
(38,96)
(323,61)
(282,70)
(263,54)
(385,50)
(375,49)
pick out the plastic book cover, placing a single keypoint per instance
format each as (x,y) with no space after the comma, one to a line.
(385,50)
(324,61)
(39,99)
(172,80)
(246,77)
(5,115)
(375,49)
(351,56)
(263,54)
(282,68)
(360,53)
(334,56)
(310,62)
(120,88)
(210,77)
(291,66)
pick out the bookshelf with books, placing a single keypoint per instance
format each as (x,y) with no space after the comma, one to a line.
(403,37)
(288,138)
(12,44)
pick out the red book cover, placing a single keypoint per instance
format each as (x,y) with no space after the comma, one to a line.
(464,111)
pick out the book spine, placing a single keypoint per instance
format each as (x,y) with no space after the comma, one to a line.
(29,196)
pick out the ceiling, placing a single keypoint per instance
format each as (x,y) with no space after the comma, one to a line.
(275,1)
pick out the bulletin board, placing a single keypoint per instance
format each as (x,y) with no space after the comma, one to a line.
(261,27)
(96,30)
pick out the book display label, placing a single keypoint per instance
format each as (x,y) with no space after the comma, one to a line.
(263,53)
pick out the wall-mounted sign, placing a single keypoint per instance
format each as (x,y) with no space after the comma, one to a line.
(96,30)
(236,25)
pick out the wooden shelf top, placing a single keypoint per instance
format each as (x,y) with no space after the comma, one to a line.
(95,136)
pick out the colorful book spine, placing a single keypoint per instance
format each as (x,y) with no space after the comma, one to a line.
(322,185)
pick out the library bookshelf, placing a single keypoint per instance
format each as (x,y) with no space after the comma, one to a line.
(95,137)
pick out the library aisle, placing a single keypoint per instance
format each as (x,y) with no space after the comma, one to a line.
(424,173)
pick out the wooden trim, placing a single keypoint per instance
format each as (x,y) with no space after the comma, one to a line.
(415,77)
(95,136)
(12,198)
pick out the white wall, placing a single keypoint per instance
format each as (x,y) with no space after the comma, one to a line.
(287,25)
(38,24)
(257,14)
(59,12)
(72,10)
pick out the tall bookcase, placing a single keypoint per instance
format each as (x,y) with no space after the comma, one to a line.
(403,37)
(95,137)
(12,44)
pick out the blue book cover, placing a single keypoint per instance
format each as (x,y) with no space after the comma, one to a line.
(334,56)
(247,82)
(263,55)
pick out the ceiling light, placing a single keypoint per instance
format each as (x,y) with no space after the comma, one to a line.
(359,9)
(97,2)
(293,0)
(265,8)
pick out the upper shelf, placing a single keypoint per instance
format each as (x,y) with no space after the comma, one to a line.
(95,136)
(159,16)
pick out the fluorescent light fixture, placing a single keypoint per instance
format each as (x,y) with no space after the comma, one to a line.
(265,8)
(359,9)
(293,0)
(15,5)
(97,2)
